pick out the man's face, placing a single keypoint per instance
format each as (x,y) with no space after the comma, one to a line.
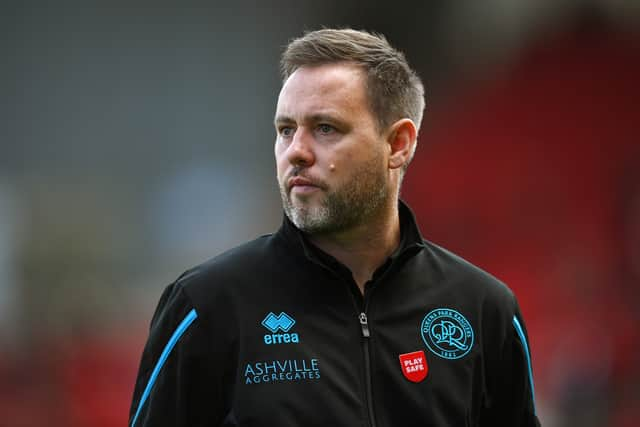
(331,159)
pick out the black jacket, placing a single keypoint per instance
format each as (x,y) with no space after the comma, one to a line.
(276,333)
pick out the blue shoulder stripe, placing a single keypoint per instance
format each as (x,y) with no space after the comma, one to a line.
(182,327)
(523,339)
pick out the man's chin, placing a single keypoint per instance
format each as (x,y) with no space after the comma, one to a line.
(307,220)
(305,204)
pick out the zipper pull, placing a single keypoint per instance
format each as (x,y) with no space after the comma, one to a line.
(364,324)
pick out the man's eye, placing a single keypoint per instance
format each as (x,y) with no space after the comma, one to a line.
(325,128)
(286,131)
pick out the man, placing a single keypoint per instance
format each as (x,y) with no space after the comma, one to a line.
(345,316)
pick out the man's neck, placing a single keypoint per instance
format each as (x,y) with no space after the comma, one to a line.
(365,247)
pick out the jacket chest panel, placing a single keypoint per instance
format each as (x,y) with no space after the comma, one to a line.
(291,358)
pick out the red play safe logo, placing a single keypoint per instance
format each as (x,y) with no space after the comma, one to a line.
(414,366)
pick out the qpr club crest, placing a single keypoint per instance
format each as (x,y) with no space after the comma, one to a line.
(447,333)
(414,366)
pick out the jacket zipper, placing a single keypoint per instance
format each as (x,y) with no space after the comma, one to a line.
(366,334)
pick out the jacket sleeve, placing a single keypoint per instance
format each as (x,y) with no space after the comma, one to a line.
(513,399)
(179,379)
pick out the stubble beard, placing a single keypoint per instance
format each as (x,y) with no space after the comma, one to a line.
(360,199)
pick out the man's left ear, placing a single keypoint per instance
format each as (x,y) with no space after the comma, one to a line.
(402,140)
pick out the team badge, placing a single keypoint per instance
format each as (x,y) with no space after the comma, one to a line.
(414,366)
(447,333)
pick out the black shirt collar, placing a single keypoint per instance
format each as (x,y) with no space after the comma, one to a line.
(411,242)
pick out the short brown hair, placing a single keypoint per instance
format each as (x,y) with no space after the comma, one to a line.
(394,90)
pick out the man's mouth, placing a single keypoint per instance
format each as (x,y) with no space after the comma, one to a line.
(300,184)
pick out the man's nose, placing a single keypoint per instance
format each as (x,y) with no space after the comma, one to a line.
(300,151)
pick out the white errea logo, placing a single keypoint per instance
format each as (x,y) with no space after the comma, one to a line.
(282,322)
